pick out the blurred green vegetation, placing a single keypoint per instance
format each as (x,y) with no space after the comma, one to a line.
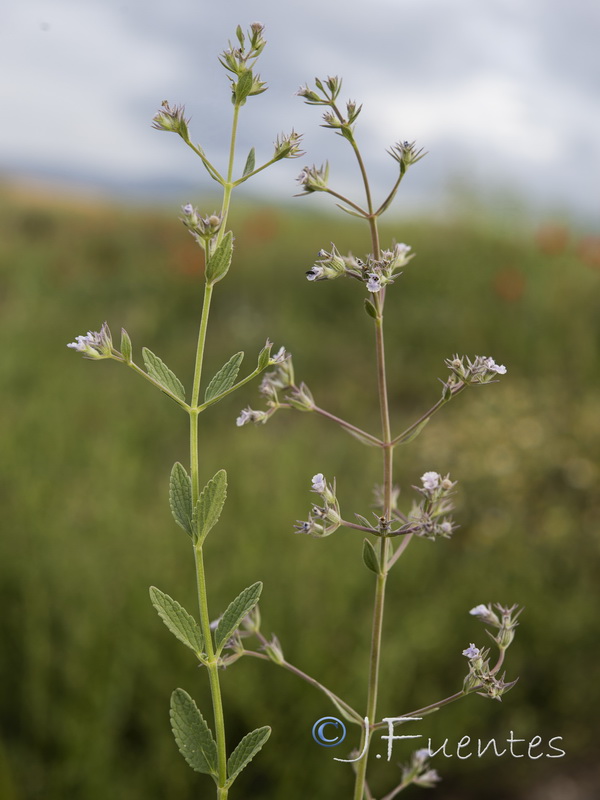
(87,667)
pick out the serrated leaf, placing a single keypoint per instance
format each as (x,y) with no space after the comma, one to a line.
(370,308)
(180,498)
(235,613)
(414,433)
(250,163)
(245,752)
(218,263)
(158,370)
(225,377)
(210,504)
(193,736)
(126,348)
(181,624)
(370,557)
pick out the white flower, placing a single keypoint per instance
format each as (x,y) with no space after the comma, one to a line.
(314,273)
(500,369)
(374,282)
(245,416)
(95,344)
(485,614)
(472,652)
(279,356)
(479,611)
(318,483)
(431,480)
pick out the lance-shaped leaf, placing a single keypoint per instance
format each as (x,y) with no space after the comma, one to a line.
(158,370)
(235,613)
(250,163)
(245,752)
(225,377)
(264,357)
(412,434)
(210,504)
(218,263)
(126,346)
(180,498)
(370,557)
(181,624)
(193,736)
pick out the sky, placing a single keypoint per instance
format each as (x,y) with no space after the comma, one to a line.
(503,94)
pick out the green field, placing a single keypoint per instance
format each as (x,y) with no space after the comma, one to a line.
(87,668)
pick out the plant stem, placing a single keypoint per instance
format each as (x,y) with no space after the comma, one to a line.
(348,426)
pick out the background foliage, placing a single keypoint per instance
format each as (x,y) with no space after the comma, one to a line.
(87,667)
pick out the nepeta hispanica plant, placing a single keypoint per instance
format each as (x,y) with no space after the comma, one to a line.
(196,509)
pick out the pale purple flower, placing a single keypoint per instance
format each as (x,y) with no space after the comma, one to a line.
(279,356)
(318,483)
(374,282)
(95,344)
(472,652)
(489,362)
(246,416)
(431,480)
(485,614)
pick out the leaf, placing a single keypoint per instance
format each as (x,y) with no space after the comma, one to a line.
(264,357)
(125,346)
(244,86)
(250,163)
(413,433)
(225,377)
(245,751)
(180,498)
(363,520)
(370,308)
(210,504)
(158,370)
(181,624)
(218,263)
(235,613)
(370,557)
(193,736)
(349,211)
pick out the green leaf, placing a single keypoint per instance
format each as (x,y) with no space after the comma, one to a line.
(244,86)
(235,613)
(181,624)
(370,308)
(264,356)
(370,557)
(125,346)
(219,262)
(414,433)
(245,752)
(180,498)
(193,736)
(225,377)
(158,370)
(210,504)
(250,163)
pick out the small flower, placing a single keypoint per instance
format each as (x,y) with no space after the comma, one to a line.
(472,652)
(250,415)
(427,779)
(280,356)
(500,369)
(318,483)
(288,145)
(485,614)
(431,480)
(95,344)
(374,282)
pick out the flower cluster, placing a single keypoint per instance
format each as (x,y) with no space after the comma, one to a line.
(171,119)
(375,272)
(406,154)
(463,371)
(481,676)
(287,145)
(505,623)
(203,229)
(418,771)
(239,62)
(313,179)
(323,520)
(280,391)
(95,344)
(428,518)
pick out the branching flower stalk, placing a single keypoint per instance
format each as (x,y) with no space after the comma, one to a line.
(429,518)
(194,508)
